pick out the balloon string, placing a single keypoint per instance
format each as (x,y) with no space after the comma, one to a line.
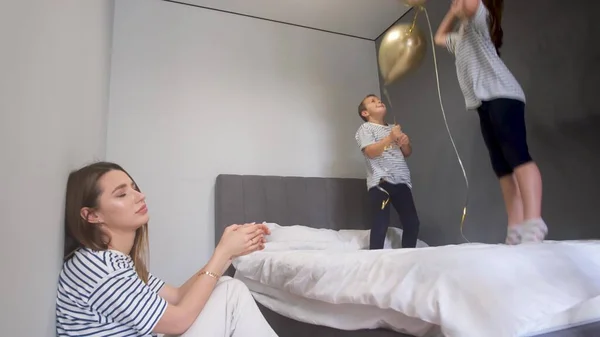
(387,96)
(385,202)
(437,77)
(414,22)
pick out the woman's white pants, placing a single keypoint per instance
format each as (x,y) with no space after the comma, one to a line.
(230,312)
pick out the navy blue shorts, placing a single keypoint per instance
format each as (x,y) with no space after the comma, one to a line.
(503,128)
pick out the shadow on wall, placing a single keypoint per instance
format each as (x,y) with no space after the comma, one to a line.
(568,156)
(553,55)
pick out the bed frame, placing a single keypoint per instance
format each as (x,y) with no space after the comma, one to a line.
(334,203)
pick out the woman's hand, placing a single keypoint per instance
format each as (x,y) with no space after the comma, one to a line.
(239,240)
(265,231)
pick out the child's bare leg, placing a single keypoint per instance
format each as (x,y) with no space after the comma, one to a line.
(514,208)
(529,180)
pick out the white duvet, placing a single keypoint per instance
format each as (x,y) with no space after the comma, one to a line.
(476,290)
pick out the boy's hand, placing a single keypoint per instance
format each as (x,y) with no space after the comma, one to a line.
(396,132)
(403,140)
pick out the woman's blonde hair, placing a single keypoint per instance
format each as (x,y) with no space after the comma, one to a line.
(83,191)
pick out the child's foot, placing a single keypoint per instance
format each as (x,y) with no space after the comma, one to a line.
(513,235)
(534,230)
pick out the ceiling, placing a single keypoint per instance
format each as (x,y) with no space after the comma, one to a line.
(365,19)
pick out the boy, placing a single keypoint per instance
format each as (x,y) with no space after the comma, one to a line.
(388,177)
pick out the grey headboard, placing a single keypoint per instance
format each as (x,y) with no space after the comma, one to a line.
(335,203)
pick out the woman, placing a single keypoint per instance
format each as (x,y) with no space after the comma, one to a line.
(105,288)
(489,87)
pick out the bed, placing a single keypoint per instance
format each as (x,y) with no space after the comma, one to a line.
(333,205)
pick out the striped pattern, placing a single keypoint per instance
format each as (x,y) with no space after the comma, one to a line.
(481,73)
(391,165)
(99,294)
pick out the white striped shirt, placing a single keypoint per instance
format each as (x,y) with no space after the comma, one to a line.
(100,294)
(481,73)
(390,165)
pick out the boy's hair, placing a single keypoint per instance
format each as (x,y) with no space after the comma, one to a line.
(362,107)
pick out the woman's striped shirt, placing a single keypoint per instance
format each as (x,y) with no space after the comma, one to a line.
(100,294)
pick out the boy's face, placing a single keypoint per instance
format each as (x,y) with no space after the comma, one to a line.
(374,108)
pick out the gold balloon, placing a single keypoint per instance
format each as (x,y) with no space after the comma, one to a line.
(416,3)
(403,48)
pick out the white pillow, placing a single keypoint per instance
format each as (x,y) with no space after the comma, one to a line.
(301,233)
(299,237)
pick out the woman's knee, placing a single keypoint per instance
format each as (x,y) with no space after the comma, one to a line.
(237,288)
(233,282)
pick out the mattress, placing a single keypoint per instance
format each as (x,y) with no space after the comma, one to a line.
(356,317)
(465,290)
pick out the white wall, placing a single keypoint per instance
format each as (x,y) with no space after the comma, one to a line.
(196,93)
(54,76)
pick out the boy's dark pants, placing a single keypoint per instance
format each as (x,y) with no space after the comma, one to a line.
(401,198)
